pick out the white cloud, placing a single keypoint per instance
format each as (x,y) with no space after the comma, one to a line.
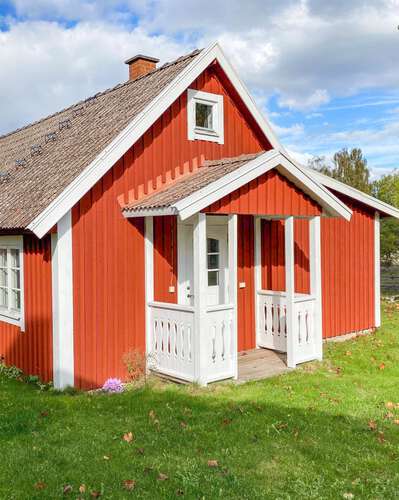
(312,101)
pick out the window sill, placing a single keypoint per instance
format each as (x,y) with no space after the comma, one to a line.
(9,317)
(201,134)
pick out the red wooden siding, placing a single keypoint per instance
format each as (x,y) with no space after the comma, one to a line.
(108,250)
(165,258)
(269,194)
(32,350)
(273,258)
(245,274)
(347,250)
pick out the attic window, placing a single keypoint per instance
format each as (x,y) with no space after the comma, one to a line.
(205,116)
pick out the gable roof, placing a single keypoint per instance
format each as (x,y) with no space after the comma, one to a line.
(82,132)
(218,178)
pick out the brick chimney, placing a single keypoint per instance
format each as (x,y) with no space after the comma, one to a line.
(140,65)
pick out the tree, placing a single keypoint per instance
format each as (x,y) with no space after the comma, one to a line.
(349,167)
(387,189)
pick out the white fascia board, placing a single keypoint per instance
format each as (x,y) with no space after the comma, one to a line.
(137,127)
(149,212)
(250,171)
(354,193)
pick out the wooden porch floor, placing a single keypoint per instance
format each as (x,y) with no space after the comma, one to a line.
(260,363)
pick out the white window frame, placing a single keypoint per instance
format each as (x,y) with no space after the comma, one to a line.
(16,318)
(198,133)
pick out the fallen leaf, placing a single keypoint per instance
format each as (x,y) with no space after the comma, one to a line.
(44,413)
(381,437)
(95,494)
(348,353)
(162,477)
(128,437)
(140,451)
(152,414)
(226,421)
(213,463)
(67,489)
(382,366)
(389,415)
(389,404)
(129,484)
(348,496)
(396,421)
(82,488)
(105,457)
(281,425)
(40,485)
(372,425)
(183,425)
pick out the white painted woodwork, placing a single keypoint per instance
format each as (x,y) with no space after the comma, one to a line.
(258,275)
(171,350)
(185,264)
(200,290)
(62,286)
(149,278)
(377,270)
(290,291)
(232,283)
(217,293)
(315,283)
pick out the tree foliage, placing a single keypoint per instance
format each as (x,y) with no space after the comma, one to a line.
(351,168)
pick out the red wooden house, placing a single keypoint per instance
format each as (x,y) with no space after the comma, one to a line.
(164,215)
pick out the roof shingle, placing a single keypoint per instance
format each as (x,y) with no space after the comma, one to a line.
(39,161)
(209,172)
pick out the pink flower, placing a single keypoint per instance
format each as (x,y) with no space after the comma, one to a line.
(113,385)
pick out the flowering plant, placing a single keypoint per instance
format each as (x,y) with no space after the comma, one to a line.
(113,385)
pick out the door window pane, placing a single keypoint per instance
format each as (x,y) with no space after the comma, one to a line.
(3,297)
(3,277)
(213,261)
(213,278)
(213,245)
(14,258)
(15,278)
(3,257)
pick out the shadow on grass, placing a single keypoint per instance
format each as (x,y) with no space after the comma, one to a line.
(263,448)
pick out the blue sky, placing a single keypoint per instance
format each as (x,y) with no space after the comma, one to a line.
(325,73)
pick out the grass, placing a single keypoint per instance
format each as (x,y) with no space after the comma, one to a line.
(322,431)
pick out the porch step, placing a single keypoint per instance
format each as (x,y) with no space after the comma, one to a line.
(258,364)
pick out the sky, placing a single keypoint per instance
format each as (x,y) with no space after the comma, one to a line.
(325,73)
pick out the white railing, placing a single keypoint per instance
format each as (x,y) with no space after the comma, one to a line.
(220,342)
(172,340)
(272,330)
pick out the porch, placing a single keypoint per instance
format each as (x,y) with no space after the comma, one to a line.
(196,338)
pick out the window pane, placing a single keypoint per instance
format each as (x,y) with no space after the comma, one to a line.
(3,257)
(3,297)
(203,115)
(213,245)
(213,261)
(3,277)
(16,299)
(14,258)
(213,278)
(15,278)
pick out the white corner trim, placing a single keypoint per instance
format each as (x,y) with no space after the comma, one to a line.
(351,192)
(289,259)
(149,279)
(377,270)
(315,282)
(62,286)
(216,102)
(137,127)
(233,297)
(253,169)
(17,318)
(257,272)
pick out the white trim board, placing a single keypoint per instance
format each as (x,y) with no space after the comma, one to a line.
(137,127)
(207,195)
(354,193)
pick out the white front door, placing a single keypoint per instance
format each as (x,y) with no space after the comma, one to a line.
(185,265)
(216,264)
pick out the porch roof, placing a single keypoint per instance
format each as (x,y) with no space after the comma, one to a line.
(215,179)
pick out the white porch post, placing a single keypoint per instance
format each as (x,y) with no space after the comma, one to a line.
(292,334)
(200,275)
(377,270)
(62,284)
(258,273)
(315,283)
(149,279)
(233,236)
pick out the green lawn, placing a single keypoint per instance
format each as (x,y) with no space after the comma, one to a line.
(324,431)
